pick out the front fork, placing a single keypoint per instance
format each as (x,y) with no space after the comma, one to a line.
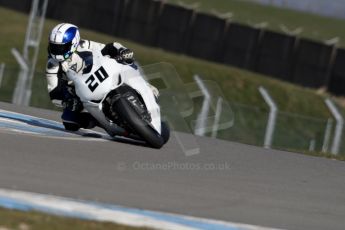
(111,128)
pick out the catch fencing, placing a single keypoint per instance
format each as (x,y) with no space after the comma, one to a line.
(189,110)
(182,30)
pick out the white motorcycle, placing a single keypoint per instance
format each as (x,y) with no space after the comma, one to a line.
(119,98)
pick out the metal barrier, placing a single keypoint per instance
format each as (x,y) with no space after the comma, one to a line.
(207,36)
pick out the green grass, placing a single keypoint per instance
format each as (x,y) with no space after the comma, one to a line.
(240,87)
(314,26)
(318,154)
(12,219)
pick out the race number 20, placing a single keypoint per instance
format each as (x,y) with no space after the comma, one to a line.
(93,82)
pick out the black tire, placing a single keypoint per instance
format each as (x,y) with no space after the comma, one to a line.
(71,126)
(165,131)
(128,114)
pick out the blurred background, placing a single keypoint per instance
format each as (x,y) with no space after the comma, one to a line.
(293,50)
(334,8)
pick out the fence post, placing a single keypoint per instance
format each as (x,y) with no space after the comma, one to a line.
(312,145)
(327,136)
(202,117)
(19,91)
(2,70)
(339,127)
(272,117)
(28,59)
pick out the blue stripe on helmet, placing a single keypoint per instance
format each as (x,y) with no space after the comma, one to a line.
(69,34)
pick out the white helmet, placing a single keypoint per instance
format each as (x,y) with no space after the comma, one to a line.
(63,41)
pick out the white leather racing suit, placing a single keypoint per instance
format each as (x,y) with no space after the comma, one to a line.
(62,92)
(55,71)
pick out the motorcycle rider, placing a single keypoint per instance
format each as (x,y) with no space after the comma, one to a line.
(67,51)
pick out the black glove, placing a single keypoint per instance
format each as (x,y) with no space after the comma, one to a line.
(125,56)
(70,100)
(73,104)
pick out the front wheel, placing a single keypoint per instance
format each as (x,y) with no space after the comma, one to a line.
(165,131)
(137,124)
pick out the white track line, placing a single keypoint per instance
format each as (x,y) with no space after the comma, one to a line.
(117,214)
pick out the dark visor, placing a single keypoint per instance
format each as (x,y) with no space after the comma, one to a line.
(59,49)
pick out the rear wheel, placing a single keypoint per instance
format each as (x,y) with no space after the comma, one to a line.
(131,118)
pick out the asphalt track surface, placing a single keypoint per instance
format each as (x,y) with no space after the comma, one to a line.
(226,181)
